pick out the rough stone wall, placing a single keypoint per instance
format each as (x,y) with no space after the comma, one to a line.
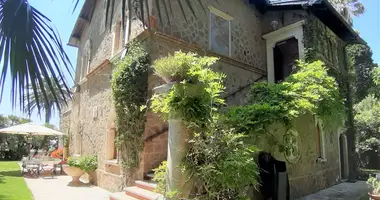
(283,18)
(306,175)
(155,150)
(239,75)
(101,37)
(247,45)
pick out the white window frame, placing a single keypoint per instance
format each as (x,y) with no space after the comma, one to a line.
(214,11)
(291,31)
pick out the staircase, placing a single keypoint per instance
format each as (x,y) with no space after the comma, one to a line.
(143,190)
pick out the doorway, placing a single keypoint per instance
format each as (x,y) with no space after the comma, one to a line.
(285,55)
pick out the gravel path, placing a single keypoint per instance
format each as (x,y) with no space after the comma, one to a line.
(56,188)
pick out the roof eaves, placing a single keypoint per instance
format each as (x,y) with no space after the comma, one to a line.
(315,6)
(83,18)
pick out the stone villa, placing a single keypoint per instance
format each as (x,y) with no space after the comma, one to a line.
(256,40)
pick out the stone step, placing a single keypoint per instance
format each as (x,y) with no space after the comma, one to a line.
(147,185)
(141,194)
(120,196)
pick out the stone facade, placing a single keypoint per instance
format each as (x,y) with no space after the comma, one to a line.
(307,173)
(91,118)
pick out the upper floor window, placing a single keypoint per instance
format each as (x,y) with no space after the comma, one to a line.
(103,22)
(220,32)
(86,59)
(120,35)
(285,54)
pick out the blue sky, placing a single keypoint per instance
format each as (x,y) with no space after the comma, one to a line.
(60,13)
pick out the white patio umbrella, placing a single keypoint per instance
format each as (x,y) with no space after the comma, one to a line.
(30,129)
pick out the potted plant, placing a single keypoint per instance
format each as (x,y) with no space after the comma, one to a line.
(73,169)
(76,167)
(174,68)
(374,186)
(89,164)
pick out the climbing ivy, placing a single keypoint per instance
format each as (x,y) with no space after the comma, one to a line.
(129,91)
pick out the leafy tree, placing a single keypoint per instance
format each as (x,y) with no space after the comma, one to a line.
(16,144)
(360,66)
(355,7)
(367,118)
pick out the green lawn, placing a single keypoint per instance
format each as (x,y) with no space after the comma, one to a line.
(12,184)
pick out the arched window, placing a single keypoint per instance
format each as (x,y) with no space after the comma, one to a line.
(320,138)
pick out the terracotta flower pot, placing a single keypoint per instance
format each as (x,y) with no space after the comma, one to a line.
(75,174)
(374,196)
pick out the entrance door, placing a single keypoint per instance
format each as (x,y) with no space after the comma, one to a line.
(343,156)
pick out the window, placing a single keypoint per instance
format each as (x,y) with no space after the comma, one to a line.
(120,35)
(117,38)
(86,59)
(102,27)
(285,55)
(278,54)
(220,32)
(111,149)
(320,138)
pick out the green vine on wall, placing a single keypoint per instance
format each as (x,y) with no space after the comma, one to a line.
(308,91)
(130,90)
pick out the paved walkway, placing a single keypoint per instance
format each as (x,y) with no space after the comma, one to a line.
(56,189)
(342,191)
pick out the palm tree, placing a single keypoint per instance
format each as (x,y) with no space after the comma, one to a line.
(50,102)
(48,105)
(31,49)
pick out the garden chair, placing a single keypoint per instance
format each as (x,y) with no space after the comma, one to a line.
(33,167)
(49,165)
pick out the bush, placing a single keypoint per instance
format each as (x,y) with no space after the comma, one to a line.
(374,185)
(222,164)
(85,163)
(174,67)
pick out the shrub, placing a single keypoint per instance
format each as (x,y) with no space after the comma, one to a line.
(196,97)
(85,163)
(222,164)
(174,67)
(374,185)
(311,90)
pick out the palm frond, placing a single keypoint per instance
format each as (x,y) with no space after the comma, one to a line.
(31,49)
(51,103)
